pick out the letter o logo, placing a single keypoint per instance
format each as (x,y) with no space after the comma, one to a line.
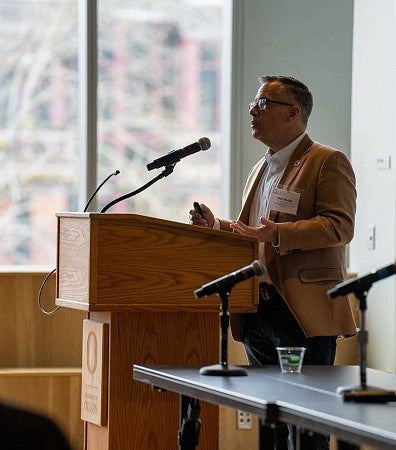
(92,352)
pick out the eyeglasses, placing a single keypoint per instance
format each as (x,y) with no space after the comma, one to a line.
(261,103)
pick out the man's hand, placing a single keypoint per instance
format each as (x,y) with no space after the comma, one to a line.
(207,220)
(267,232)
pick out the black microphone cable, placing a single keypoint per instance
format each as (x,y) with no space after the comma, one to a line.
(41,308)
(97,189)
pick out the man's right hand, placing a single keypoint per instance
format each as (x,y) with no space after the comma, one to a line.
(206,221)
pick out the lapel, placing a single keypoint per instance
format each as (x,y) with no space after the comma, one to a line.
(244,214)
(294,165)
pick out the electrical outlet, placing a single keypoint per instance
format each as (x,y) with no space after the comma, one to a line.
(244,420)
(370,237)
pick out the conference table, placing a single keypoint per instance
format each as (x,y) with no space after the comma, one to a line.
(308,400)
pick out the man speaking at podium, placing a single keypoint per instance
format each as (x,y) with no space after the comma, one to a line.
(299,201)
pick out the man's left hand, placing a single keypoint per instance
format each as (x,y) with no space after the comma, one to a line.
(266,232)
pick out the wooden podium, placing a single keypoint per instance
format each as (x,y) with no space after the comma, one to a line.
(135,277)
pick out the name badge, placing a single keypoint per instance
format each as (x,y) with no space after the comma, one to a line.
(284,201)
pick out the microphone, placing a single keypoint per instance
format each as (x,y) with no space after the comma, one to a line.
(176,155)
(97,189)
(228,281)
(363,283)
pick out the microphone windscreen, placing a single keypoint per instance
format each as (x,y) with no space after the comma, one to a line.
(258,267)
(204,143)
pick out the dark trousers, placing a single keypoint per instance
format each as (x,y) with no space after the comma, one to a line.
(275,326)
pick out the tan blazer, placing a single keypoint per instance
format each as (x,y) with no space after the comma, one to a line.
(311,256)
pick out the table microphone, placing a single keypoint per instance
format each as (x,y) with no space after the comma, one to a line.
(228,281)
(363,283)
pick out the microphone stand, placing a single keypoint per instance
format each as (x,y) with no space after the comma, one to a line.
(364,393)
(223,368)
(167,171)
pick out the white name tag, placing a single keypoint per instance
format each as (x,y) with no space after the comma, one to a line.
(284,201)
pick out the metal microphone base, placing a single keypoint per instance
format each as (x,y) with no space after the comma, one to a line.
(363,393)
(223,370)
(366,394)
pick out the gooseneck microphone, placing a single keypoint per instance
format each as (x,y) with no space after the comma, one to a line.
(228,281)
(363,283)
(97,189)
(168,161)
(176,155)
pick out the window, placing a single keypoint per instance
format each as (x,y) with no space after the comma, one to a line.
(159,66)
(38,125)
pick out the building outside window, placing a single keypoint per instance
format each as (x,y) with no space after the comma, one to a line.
(159,85)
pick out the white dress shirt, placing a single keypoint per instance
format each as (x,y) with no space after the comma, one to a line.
(276,164)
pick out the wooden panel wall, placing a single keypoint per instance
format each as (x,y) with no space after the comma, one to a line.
(52,392)
(30,338)
(40,355)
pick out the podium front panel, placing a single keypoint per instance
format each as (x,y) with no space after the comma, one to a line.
(130,262)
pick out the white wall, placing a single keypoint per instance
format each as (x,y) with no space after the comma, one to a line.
(308,39)
(373,136)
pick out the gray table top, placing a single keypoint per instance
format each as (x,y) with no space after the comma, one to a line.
(308,399)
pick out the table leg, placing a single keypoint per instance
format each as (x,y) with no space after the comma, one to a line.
(342,445)
(190,424)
